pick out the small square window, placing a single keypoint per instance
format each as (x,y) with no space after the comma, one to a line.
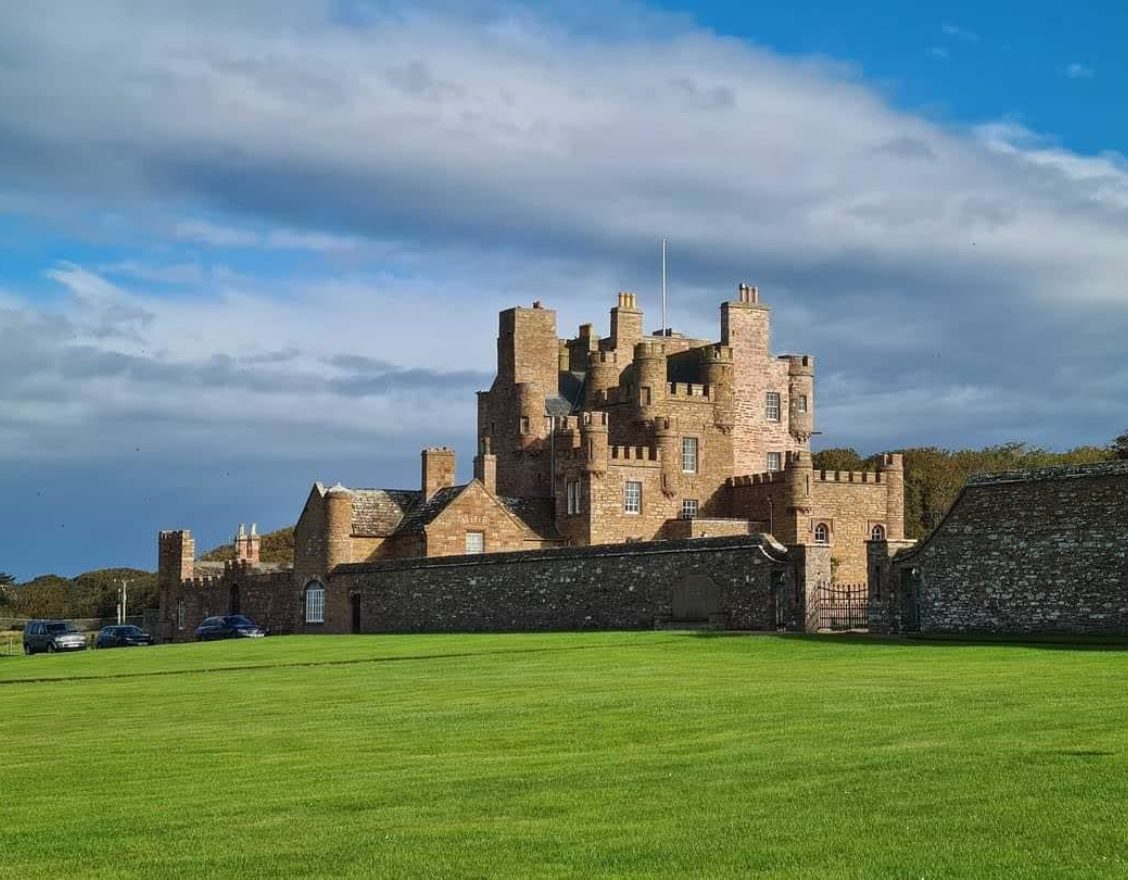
(689,455)
(689,508)
(475,542)
(775,461)
(771,406)
(632,497)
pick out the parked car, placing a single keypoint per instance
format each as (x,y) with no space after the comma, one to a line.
(230,626)
(52,636)
(122,637)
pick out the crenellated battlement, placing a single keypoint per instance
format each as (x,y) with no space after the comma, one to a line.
(762,479)
(635,455)
(717,353)
(593,420)
(647,350)
(849,477)
(799,364)
(689,391)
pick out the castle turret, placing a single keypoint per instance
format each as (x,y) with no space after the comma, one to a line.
(530,415)
(801,394)
(746,329)
(626,322)
(666,433)
(893,469)
(338,527)
(650,371)
(795,526)
(176,557)
(602,377)
(717,362)
(593,439)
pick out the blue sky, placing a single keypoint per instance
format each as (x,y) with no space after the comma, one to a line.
(224,227)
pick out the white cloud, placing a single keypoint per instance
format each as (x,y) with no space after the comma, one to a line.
(940,52)
(480,163)
(959,33)
(1077,70)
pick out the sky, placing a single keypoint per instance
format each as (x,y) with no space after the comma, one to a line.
(250,245)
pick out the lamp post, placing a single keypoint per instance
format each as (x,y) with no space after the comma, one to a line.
(122,601)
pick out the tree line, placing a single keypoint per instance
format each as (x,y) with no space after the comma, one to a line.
(934,476)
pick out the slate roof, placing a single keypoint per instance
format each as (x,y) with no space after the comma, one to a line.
(539,514)
(384,512)
(424,513)
(378,513)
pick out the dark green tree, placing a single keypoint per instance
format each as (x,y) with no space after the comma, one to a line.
(1120,446)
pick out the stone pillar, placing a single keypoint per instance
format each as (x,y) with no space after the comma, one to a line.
(885,599)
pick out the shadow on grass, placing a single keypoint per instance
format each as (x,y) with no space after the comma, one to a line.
(309,664)
(1047,641)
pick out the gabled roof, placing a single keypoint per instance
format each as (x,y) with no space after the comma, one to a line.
(378,513)
(422,514)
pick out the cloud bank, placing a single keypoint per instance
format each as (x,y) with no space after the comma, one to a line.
(306,216)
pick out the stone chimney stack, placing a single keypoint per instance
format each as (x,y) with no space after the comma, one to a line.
(485,468)
(438,470)
(247,546)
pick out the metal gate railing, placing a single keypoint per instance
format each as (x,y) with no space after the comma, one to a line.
(841,607)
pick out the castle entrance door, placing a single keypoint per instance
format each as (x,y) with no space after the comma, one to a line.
(695,597)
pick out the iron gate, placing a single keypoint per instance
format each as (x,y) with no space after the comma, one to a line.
(841,607)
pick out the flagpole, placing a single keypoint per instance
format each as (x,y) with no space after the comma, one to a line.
(664,319)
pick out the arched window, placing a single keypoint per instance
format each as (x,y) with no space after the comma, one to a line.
(234,603)
(315,602)
(822,533)
(877,533)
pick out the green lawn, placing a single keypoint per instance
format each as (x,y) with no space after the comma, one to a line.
(565,755)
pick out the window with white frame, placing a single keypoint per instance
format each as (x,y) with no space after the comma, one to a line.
(689,508)
(689,455)
(822,533)
(475,542)
(632,497)
(180,614)
(775,461)
(573,491)
(877,533)
(801,403)
(771,406)
(315,602)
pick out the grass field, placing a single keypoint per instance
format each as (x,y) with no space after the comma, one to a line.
(566,755)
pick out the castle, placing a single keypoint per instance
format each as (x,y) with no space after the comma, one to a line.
(582,442)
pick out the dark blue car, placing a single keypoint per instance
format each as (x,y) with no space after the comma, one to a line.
(230,626)
(122,637)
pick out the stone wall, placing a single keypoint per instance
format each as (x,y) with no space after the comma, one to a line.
(269,598)
(739,582)
(1044,550)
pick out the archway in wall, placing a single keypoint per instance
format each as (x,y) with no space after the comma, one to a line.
(694,597)
(234,603)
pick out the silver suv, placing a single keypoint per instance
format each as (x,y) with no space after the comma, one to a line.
(52,636)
